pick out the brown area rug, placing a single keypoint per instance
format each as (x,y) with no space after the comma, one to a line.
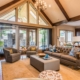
(23,69)
(19,69)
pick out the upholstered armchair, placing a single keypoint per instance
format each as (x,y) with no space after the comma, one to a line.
(11,54)
(32,50)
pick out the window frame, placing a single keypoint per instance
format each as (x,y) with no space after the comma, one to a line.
(66,35)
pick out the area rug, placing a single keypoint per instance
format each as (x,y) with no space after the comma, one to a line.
(23,69)
(19,69)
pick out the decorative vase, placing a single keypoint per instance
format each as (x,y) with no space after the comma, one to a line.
(46,56)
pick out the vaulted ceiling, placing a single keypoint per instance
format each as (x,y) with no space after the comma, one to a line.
(3,2)
(60,10)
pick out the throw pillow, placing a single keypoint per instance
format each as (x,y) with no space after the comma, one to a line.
(54,48)
(50,48)
(11,51)
(73,52)
(33,49)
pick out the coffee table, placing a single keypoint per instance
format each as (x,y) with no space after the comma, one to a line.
(41,64)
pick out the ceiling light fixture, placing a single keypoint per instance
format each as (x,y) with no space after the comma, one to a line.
(40,4)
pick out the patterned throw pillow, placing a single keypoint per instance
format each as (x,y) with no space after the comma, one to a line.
(54,48)
(50,48)
(73,52)
(33,49)
(11,51)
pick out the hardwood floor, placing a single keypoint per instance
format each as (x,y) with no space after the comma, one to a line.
(66,72)
(0,71)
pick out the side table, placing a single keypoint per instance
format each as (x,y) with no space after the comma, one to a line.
(23,51)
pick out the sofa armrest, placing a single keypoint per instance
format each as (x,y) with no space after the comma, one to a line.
(6,52)
(78,55)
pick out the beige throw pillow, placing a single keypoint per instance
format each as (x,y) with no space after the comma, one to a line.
(33,49)
(11,51)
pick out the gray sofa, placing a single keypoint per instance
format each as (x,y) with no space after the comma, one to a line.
(11,57)
(29,52)
(63,54)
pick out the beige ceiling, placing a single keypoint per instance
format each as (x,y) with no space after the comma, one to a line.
(3,2)
(54,13)
(72,7)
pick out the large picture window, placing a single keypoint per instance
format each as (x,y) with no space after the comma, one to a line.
(22,13)
(7,37)
(43,38)
(9,16)
(32,14)
(67,35)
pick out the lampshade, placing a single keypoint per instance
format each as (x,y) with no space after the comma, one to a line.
(61,39)
(76,39)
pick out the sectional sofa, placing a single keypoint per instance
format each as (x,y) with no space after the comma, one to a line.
(63,54)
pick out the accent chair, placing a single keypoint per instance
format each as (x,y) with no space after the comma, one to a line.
(32,50)
(11,54)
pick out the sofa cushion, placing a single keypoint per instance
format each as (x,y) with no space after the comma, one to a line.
(70,58)
(15,54)
(48,52)
(57,50)
(57,54)
(68,50)
(33,49)
(30,52)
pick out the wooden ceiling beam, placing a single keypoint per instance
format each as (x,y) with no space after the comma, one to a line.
(62,9)
(8,4)
(59,23)
(75,18)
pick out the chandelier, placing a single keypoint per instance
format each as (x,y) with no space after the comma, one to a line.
(40,4)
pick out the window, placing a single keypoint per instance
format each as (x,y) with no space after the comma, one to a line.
(32,14)
(9,16)
(62,34)
(67,36)
(32,37)
(42,21)
(22,38)
(43,38)
(22,13)
(25,14)
(7,37)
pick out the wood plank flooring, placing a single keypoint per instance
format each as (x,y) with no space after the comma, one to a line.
(0,71)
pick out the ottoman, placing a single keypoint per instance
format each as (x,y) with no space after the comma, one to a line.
(50,75)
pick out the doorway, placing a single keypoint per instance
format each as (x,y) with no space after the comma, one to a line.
(27,37)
